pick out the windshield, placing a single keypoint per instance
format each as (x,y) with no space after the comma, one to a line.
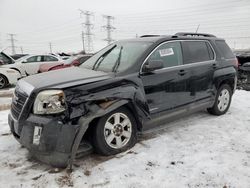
(116,57)
(4,59)
(23,58)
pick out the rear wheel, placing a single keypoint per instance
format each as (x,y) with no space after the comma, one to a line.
(3,81)
(115,132)
(222,100)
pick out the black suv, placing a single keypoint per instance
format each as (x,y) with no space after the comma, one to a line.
(125,89)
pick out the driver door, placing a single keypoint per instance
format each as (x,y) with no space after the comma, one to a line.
(31,65)
(166,88)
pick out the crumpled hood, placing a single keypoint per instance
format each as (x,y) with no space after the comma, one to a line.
(61,79)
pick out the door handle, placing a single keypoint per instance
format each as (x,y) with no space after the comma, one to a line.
(182,72)
(214,65)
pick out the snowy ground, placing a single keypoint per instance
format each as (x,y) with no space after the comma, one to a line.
(200,150)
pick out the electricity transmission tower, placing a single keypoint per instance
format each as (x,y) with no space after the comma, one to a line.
(50,47)
(0,41)
(12,41)
(21,49)
(109,28)
(83,47)
(88,30)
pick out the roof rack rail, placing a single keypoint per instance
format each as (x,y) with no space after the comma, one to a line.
(149,36)
(194,34)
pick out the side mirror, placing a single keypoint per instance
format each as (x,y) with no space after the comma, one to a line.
(152,65)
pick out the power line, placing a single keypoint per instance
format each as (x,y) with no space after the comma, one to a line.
(109,28)
(88,26)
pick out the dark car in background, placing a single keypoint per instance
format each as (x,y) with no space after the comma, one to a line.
(5,59)
(243,57)
(71,61)
(124,90)
(18,56)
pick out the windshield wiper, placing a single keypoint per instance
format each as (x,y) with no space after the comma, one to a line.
(118,61)
(97,63)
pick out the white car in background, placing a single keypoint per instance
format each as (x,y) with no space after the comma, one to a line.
(8,77)
(30,64)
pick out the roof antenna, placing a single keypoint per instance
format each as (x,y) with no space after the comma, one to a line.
(197,28)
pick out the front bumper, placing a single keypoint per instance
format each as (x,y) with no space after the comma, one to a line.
(14,77)
(53,143)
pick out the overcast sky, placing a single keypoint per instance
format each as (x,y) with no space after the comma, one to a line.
(36,23)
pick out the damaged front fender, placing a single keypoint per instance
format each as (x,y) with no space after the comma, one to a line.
(95,111)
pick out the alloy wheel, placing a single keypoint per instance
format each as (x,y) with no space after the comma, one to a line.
(117,130)
(2,82)
(223,100)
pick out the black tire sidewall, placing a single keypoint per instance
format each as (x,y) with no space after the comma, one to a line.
(5,81)
(99,143)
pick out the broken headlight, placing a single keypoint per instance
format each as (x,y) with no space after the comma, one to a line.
(49,102)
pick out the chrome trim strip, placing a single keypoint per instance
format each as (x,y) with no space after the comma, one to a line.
(152,109)
(182,54)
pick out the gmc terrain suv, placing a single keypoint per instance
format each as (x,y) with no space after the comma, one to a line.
(127,88)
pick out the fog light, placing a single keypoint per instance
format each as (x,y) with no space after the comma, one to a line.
(37,135)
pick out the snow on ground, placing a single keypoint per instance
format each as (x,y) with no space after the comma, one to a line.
(200,150)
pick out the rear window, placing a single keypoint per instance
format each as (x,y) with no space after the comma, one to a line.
(224,49)
(196,51)
(50,58)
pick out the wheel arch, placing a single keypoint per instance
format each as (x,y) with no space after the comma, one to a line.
(14,68)
(226,76)
(95,112)
(229,82)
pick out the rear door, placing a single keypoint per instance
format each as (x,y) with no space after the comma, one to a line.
(199,59)
(50,59)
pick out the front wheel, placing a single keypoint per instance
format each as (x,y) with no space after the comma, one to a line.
(3,81)
(115,132)
(222,101)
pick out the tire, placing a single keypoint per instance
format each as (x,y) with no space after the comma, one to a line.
(222,101)
(3,81)
(112,136)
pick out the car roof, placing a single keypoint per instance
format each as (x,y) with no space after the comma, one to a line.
(177,36)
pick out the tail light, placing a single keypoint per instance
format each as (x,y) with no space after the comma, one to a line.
(236,63)
(75,63)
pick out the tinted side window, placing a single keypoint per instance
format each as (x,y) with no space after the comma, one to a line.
(50,58)
(170,53)
(33,59)
(196,51)
(224,49)
(83,59)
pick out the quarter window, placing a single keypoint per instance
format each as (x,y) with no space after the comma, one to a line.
(169,53)
(50,58)
(196,51)
(224,49)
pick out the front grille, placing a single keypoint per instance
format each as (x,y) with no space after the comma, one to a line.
(18,102)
